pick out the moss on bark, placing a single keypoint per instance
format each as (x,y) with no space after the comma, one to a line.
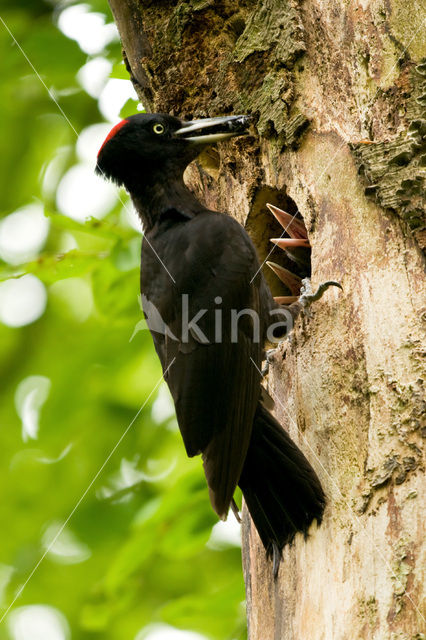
(348,384)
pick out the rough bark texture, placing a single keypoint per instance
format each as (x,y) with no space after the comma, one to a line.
(323,79)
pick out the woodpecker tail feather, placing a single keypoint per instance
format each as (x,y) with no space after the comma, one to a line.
(281,490)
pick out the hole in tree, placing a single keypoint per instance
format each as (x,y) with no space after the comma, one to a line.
(236,25)
(261,225)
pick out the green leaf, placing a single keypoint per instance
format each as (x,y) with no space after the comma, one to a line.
(116,293)
(130,108)
(93,226)
(50,268)
(119,71)
(148,558)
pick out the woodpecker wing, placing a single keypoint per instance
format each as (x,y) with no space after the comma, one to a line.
(214,382)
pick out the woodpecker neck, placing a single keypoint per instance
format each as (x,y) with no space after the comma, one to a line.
(162,193)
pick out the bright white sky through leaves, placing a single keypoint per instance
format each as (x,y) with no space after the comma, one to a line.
(87,28)
(23,233)
(22,300)
(38,622)
(81,194)
(166,632)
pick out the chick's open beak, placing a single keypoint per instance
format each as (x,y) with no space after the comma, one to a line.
(210,130)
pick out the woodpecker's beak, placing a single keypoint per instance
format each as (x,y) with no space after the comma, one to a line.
(211,130)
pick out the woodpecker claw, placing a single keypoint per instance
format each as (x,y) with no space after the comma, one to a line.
(297,248)
(308,297)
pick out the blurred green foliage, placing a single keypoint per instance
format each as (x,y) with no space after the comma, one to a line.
(134,547)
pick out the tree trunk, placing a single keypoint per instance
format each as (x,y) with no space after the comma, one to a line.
(339,94)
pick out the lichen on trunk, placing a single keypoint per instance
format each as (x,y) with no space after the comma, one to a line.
(337,94)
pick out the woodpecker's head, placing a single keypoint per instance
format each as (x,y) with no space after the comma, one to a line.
(149,143)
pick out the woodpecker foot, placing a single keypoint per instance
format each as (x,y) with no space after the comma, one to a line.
(298,248)
(308,297)
(269,356)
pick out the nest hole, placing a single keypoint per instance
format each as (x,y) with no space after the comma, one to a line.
(261,225)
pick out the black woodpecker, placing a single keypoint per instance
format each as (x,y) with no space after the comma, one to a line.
(200,272)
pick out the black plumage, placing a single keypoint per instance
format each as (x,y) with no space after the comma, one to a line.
(195,260)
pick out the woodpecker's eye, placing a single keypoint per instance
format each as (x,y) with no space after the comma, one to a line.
(158,128)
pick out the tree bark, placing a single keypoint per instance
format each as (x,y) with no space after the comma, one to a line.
(339,94)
